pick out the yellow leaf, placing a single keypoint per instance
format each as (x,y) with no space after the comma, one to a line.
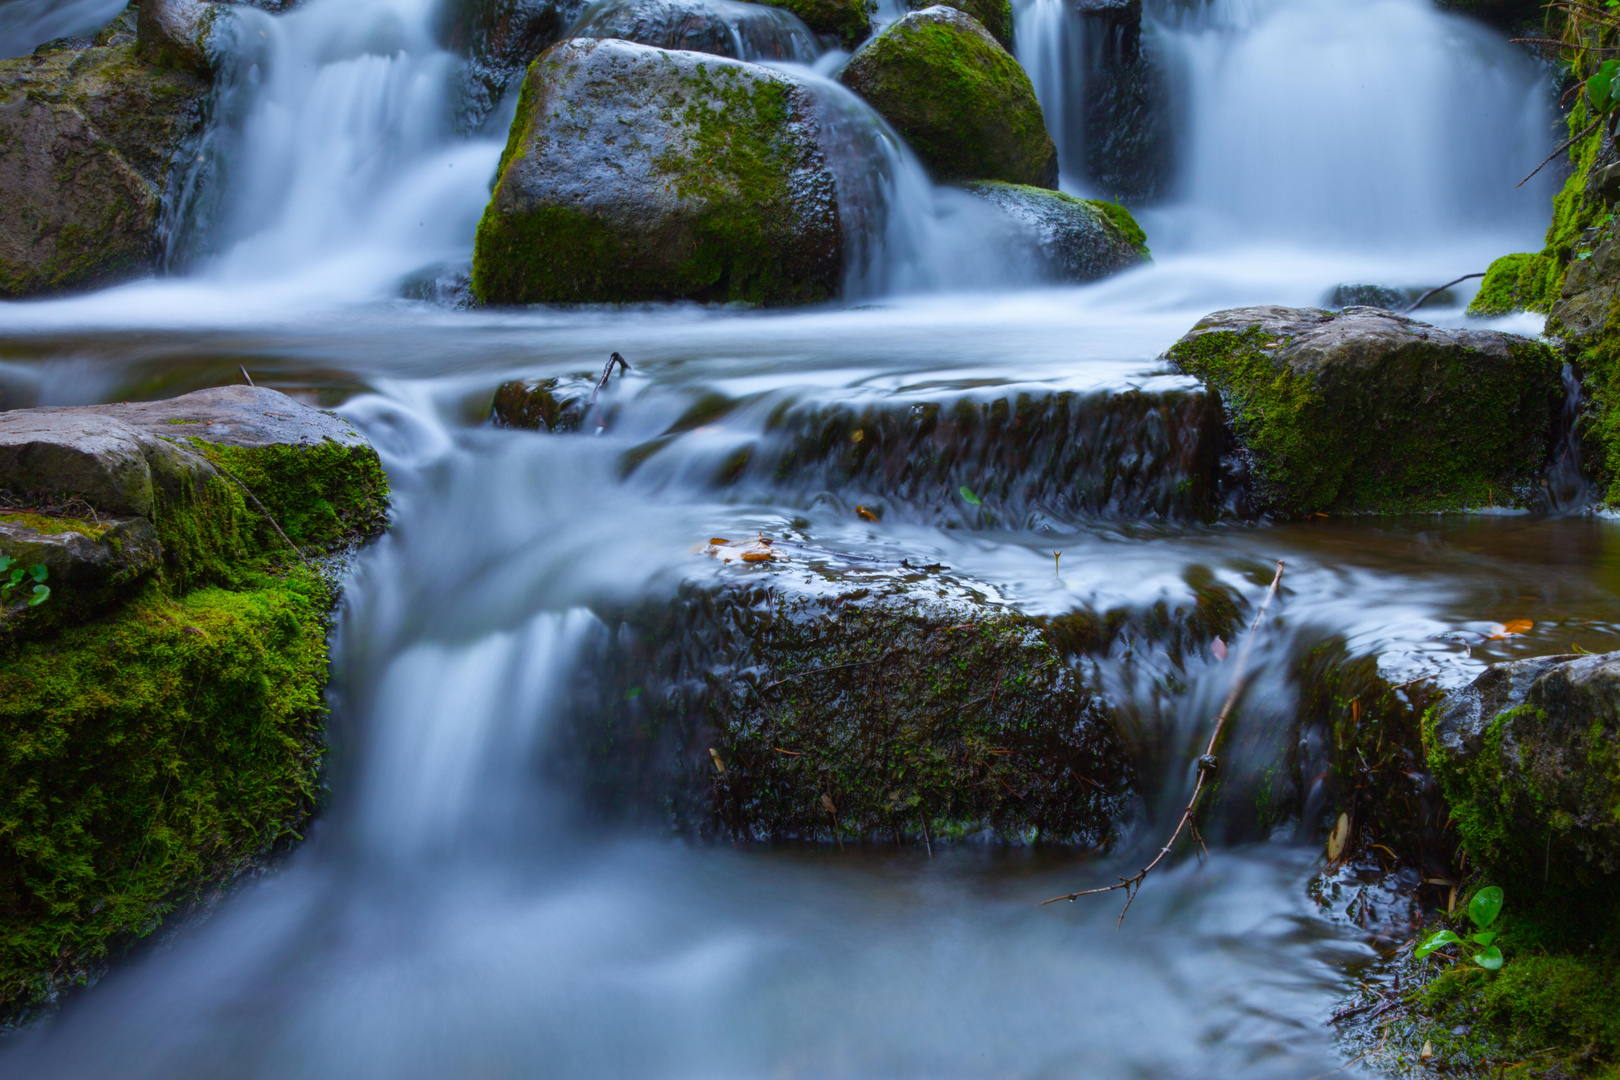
(865,514)
(757,556)
(1339,838)
(1503,631)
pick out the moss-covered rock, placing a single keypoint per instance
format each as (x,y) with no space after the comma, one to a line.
(716,189)
(848,21)
(1526,281)
(718,27)
(1366,411)
(1082,239)
(162,708)
(1529,755)
(87,140)
(957,97)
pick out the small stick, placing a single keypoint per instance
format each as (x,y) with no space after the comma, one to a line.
(1206,765)
(1573,139)
(245,375)
(1441,288)
(267,515)
(601,383)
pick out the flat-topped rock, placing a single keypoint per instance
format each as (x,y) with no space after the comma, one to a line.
(1366,411)
(244,416)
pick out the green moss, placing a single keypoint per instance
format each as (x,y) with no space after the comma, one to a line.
(323,495)
(51,524)
(1124,222)
(146,753)
(850,21)
(1522,282)
(962,102)
(1422,430)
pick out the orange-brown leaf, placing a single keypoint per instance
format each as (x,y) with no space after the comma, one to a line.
(756,556)
(865,514)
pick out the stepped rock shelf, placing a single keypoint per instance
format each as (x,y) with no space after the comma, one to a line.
(163,706)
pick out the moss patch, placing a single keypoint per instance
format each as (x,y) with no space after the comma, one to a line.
(1422,428)
(1522,282)
(1122,220)
(146,753)
(850,21)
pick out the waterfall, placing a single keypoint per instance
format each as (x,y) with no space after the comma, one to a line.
(1050,39)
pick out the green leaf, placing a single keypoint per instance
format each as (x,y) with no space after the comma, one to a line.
(1600,86)
(38,572)
(1483,939)
(16,577)
(969,496)
(7,560)
(1436,940)
(1485,906)
(42,593)
(1490,959)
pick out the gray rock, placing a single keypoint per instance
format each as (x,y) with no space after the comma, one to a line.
(1529,756)
(635,173)
(88,137)
(741,31)
(1366,411)
(245,416)
(67,454)
(180,33)
(85,560)
(1079,239)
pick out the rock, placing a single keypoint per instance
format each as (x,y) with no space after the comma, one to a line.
(498,39)
(1582,309)
(554,405)
(180,33)
(994,15)
(730,28)
(87,141)
(957,97)
(1529,756)
(87,563)
(1082,239)
(1520,282)
(848,22)
(634,173)
(1366,411)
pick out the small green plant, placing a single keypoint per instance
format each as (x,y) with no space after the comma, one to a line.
(16,575)
(1482,912)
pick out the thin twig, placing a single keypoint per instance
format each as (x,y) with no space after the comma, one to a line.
(1206,765)
(1441,288)
(245,375)
(1573,139)
(267,516)
(601,383)
(819,670)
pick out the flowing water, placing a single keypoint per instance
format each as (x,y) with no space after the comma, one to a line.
(454,913)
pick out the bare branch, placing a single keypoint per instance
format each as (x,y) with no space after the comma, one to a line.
(1206,765)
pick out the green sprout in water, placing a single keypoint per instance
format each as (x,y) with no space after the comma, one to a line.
(1482,911)
(17,575)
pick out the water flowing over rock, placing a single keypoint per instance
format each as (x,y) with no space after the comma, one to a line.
(847,22)
(1529,754)
(180,33)
(636,173)
(499,39)
(731,28)
(957,98)
(88,140)
(1367,411)
(1082,240)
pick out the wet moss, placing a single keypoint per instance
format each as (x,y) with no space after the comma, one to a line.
(1124,222)
(1424,429)
(323,496)
(145,754)
(850,21)
(1522,282)
(54,524)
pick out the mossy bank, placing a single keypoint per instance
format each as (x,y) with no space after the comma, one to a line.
(163,707)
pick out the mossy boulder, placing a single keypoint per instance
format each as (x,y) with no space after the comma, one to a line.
(1529,756)
(849,22)
(1522,282)
(635,173)
(162,708)
(957,97)
(1366,411)
(1081,239)
(720,27)
(88,138)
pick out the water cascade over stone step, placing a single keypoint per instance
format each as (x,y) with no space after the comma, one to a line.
(741,31)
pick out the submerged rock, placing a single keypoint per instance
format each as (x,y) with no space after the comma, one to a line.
(163,704)
(635,173)
(1366,411)
(88,138)
(957,97)
(1082,239)
(741,31)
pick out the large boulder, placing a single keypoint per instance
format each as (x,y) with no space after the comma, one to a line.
(1366,411)
(994,15)
(88,138)
(848,22)
(957,97)
(635,173)
(1082,239)
(1529,756)
(722,27)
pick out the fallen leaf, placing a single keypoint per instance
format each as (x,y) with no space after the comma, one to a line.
(858,436)
(826,800)
(719,766)
(1428,1050)
(865,514)
(969,496)
(718,540)
(1218,647)
(1511,628)
(757,556)
(1339,838)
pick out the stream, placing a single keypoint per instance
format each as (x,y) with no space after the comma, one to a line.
(454,913)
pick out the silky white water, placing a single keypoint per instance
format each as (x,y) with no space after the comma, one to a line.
(454,912)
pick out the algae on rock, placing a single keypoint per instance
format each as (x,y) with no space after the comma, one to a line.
(957,97)
(716,189)
(1366,411)
(1082,239)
